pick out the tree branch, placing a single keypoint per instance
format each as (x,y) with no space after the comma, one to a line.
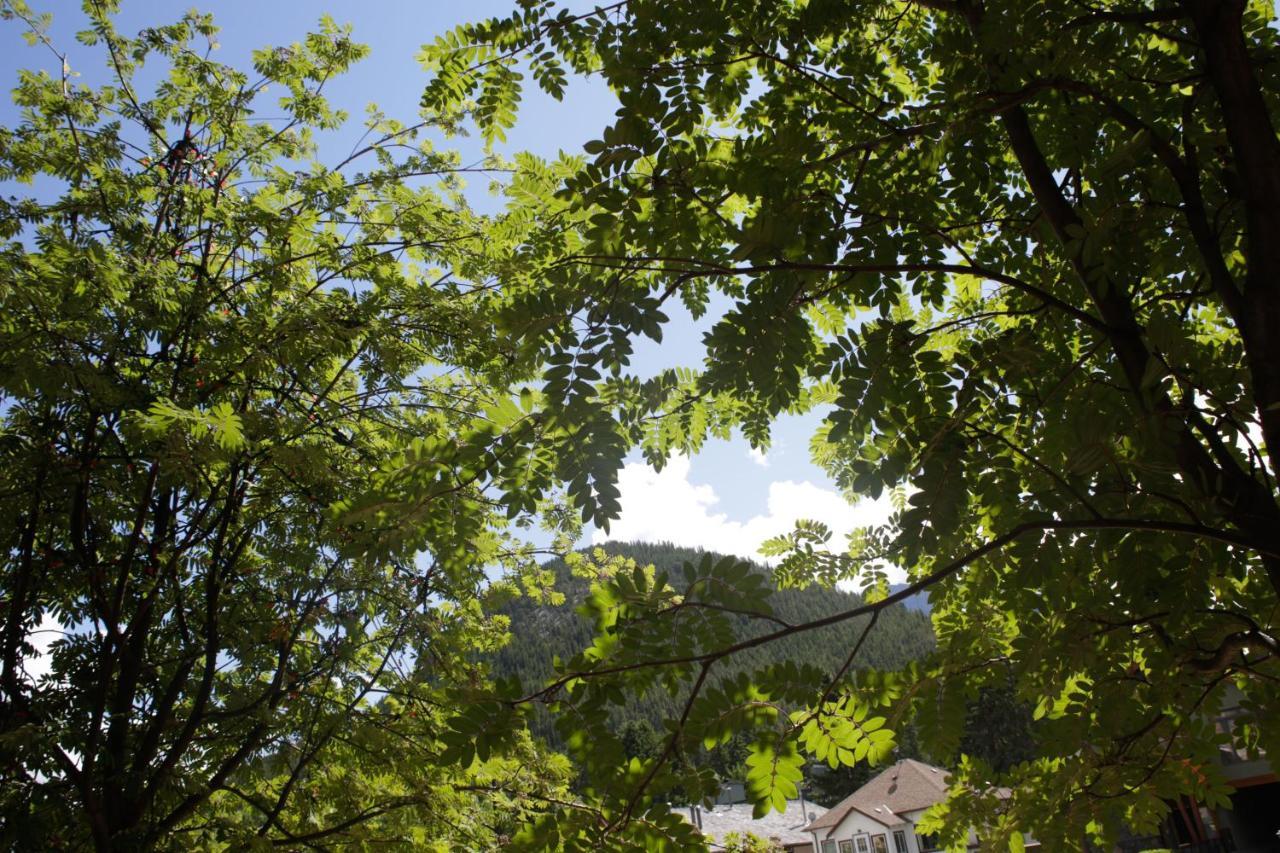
(935,577)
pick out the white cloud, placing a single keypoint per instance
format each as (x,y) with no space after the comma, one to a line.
(758,456)
(667,506)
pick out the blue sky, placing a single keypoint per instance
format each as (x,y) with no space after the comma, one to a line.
(728,497)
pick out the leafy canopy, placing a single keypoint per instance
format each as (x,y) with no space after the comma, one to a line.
(1025,259)
(261,456)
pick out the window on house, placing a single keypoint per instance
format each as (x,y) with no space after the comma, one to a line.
(828,846)
(846,847)
(899,842)
(862,844)
(926,843)
(879,844)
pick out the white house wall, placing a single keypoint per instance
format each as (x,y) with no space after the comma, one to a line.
(856,823)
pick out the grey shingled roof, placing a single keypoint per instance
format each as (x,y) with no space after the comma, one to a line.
(905,786)
(786,826)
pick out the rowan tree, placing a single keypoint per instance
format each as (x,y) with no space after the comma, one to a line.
(1024,257)
(262,459)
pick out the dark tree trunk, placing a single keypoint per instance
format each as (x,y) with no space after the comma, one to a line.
(1256,154)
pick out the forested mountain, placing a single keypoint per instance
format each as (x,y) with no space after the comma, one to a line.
(542,632)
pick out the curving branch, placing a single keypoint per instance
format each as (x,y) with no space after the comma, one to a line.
(933,578)
(690,268)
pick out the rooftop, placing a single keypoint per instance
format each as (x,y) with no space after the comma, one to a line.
(907,785)
(788,826)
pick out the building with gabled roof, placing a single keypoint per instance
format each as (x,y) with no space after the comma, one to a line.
(881,816)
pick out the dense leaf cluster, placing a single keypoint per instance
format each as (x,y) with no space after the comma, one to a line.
(261,451)
(1024,257)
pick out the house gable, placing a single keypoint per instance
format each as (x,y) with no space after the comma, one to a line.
(905,786)
(859,832)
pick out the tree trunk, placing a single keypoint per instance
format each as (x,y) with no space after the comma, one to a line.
(1256,153)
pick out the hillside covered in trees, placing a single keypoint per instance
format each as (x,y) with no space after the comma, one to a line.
(997,727)
(543,632)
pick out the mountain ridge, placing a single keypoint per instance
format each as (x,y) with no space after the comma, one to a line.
(540,633)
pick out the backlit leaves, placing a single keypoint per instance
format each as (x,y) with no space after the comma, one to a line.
(928,223)
(264,449)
